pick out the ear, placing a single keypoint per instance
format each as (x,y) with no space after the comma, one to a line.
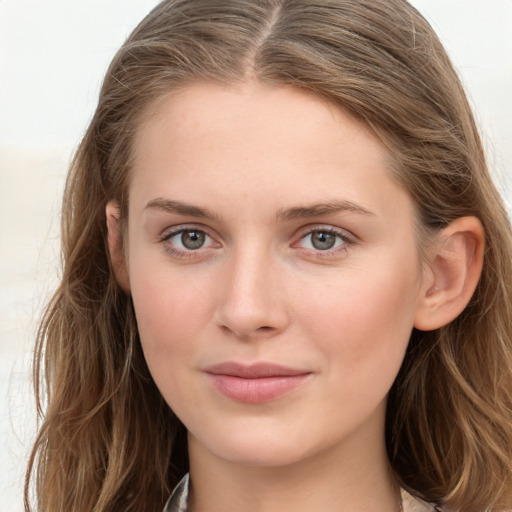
(455,265)
(115,245)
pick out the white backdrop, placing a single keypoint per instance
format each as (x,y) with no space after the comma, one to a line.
(53,54)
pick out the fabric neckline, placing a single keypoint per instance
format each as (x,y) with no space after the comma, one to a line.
(179,498)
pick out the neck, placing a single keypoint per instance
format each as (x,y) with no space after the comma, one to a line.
(340,478)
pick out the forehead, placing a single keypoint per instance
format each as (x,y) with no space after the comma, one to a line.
(253,109)
(270,144)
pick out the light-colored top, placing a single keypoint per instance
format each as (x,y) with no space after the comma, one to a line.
(179,497)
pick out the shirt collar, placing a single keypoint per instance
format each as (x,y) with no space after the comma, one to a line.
(179,498)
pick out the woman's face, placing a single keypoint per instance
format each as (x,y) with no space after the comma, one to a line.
(274,271)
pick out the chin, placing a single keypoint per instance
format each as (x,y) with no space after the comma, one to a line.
(259,450)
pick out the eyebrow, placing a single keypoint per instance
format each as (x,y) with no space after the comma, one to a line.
(318,210)
(180,208)
(284,214)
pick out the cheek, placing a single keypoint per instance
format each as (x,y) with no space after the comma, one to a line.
(170,319)
(171,310)
(364,317)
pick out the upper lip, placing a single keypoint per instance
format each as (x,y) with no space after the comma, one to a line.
(254,371)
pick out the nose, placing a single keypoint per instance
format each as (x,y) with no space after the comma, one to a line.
(252,298)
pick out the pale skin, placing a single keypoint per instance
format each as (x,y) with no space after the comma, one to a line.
(264,226)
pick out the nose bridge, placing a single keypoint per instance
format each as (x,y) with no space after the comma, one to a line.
(252,299)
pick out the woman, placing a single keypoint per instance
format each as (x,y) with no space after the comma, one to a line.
(274,282)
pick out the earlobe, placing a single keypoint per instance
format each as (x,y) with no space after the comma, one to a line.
(455,265)
(115,245)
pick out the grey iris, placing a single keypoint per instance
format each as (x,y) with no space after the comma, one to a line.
(192,239)
(322,240)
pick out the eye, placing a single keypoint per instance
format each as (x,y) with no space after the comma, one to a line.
(324,240)
(184,241)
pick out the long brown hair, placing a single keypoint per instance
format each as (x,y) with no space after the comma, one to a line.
(108,441)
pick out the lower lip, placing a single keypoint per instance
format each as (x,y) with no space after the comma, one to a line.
(256,390)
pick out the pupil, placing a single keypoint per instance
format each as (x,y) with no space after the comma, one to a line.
(192,239)
(322,240)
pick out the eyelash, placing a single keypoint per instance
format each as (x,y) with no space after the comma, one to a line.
(183,253)
(334,252)
(346,242)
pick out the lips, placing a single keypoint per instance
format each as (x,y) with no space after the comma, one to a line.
(253,384)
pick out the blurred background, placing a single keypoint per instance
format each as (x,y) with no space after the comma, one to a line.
(53,54)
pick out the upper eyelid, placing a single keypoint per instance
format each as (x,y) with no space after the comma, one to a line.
(169,232)
(346,240)
(345,233)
